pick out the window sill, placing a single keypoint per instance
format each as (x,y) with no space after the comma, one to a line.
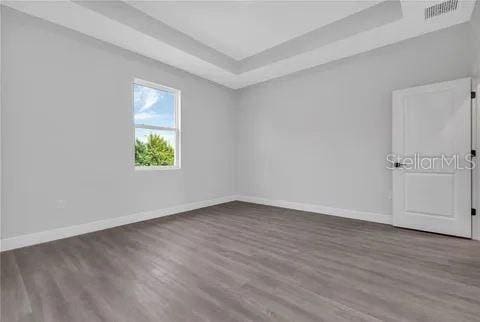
(154,168)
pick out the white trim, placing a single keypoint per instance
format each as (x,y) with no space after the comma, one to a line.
(155,167)
(326,210)
(64,232)
(154,127)
(476,171)
(153,85)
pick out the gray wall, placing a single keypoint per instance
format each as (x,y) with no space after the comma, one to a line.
(67,131)
(321,136)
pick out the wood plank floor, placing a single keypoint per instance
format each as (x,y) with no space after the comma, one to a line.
(245,262)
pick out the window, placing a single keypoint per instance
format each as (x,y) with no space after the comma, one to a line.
(156,110)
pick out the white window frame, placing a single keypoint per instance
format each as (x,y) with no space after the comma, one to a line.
(177,95)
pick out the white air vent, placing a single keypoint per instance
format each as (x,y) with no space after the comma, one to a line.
(441,8)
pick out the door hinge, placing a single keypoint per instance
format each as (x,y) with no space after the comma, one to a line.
(473,153)
(474,212)
(473,95)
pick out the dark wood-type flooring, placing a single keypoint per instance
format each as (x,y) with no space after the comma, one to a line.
(245,262)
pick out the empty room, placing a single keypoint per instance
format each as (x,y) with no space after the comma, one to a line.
(240,161)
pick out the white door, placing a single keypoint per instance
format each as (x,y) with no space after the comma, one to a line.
(433,122)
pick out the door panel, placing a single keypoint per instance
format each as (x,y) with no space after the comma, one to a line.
(435,136)
(431,122)
(430,194)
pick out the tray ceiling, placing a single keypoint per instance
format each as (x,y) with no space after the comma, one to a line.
(240,43)
(240,29)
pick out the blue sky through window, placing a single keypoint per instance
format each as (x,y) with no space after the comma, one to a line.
(153,106)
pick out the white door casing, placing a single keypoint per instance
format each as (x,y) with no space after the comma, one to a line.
(428,122)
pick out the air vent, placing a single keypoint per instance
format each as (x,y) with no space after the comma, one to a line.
(441,8)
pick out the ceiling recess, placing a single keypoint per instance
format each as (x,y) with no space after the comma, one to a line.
(441,8)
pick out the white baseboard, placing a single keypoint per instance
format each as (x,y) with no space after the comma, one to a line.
(339,212)
(64,232)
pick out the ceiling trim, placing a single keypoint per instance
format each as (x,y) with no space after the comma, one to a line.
(91,23)
(373,17)
(123,13)
(123,25)
(380,14)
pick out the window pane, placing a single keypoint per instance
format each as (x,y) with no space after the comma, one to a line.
(153,106)
(154,147)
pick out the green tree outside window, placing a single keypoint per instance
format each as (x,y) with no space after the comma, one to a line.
(155,152)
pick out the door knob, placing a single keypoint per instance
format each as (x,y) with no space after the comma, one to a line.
(398,165)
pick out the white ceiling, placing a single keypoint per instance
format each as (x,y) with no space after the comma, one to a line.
(237,44)
(240,29)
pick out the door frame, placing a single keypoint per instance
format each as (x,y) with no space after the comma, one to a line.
(476,171)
